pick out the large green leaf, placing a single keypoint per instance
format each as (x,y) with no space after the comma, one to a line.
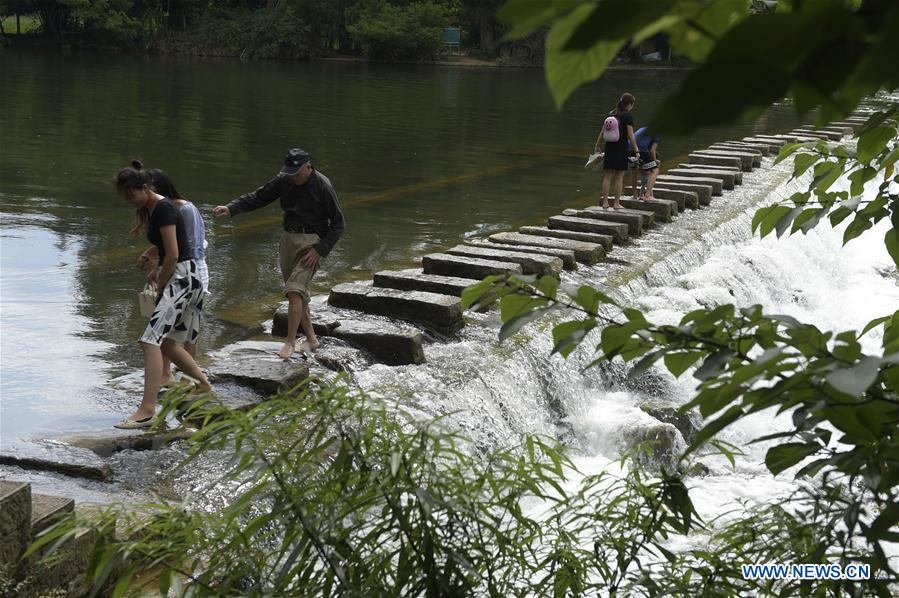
(782,456)
(526,16)
(872,142)
(616,20)
(567,70)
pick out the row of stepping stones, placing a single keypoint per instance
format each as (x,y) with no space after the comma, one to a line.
(429,297)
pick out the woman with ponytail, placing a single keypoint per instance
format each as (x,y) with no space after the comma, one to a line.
(179,303)
(618,128)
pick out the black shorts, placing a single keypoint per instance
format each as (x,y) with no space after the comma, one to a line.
(615,157)
(647,164)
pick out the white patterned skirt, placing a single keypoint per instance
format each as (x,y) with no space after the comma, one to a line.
(179,311)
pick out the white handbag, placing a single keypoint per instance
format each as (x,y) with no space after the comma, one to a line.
(594,161)
(146,300)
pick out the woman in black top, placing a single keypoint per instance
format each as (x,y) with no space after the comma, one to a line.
(179,304)
(615,162)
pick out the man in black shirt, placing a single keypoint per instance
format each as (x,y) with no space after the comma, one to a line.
(313,223)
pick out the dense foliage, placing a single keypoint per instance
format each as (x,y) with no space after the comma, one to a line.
(380,29)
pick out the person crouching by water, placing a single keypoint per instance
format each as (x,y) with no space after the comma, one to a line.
(313,223)
(196,241)
(179,303)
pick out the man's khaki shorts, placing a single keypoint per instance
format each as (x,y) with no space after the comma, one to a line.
(296,276)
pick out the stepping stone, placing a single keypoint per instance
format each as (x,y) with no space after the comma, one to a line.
(47,510)
(849,127)
(531,263)
(108,442)
(664,209)
(742,149)
(738,174)
(837,130)
(715,183)
(570,222)
(466,267)
(442,313)
(747,160)
(716,160)
(725,179)
(584,252)
(543,231)
(390,344)
(774,145)
(703,192)
(566,255)
(775,142)
(256,365)
(55,456)
(414,279)
(634,221)
(15,518)
(387,342)
(822,133)
(763,148)
(684,199)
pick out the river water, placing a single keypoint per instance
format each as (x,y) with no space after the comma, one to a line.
(420,156)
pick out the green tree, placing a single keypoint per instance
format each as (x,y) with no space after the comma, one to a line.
(385,30)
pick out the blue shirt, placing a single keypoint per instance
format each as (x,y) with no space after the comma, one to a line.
(644,139)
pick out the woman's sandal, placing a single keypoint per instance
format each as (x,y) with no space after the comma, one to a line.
(134,424)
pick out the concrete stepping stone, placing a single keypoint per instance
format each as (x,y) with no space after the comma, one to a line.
(736,172)
(414,279)
(461,266)
(703,192)
(684,199)
(774,145)
(747,160)
(716,184)
(821,133)
(566,255)
(725,179)
(46,510)
(716,160)
(545,231)
(108,442)
(634,219)
(849,127)
(569,221)
(584,252)
(48,455)
(726,147)
(442,313)
(830,130)
(387,342)
(15,518)
(531,263)
(390,344)
(257,365)
(763,148)
(664,209)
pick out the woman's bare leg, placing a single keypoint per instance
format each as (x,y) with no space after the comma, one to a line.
(619,181)
(651,183)
(606,176)
(186,363)
(152,370)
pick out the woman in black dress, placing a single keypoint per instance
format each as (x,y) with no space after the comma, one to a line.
(615,162)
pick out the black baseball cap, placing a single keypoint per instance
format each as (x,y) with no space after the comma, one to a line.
(294,159)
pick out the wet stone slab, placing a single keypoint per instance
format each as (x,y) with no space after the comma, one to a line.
(382,341)
(256,364)
(747,160)
(636,220)
(15,517)
(715,183)
(703,192)
(545,231)
(664,209)
(413,279)
(683,199)
(106,442)
(442,313)
(763,149)
(531,263)
(52,455)
(697,158)
(462,266)
(736,172)
(586,253)
(728,180)
(774,145)
(570,221)
(566,255)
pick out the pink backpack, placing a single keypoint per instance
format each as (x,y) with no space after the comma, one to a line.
(610,132)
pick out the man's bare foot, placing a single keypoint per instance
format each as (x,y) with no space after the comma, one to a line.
(308,347)
(286,351)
